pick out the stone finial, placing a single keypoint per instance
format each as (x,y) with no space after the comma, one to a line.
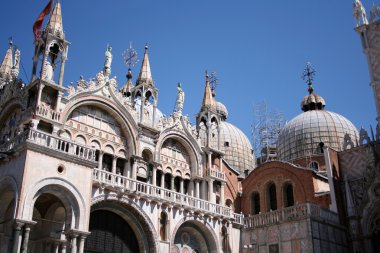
(360,13)
(208,99)
(16,64)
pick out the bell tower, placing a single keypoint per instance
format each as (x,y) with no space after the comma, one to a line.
(50,55)
(369,32)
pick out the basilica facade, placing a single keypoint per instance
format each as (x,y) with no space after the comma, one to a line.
(96,166)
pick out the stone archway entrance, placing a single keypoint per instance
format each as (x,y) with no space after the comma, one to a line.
(110,233)
(193,237)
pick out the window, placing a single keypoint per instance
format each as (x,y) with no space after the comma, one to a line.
(288,195)
(314,165)
(272,199)
(255,203)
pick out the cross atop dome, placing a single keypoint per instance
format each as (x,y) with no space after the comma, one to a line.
(308,76)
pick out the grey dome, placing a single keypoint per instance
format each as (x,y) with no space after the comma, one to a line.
(236,146)
(301,136)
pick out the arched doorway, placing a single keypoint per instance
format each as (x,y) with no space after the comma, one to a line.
(7,212)
(112,219)
(194,236)
(110,233)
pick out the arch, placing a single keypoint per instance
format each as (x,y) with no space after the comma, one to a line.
(193,150)
(65,134)
(67,193)
(8,206)
(255,202)
(202,231)
(288,194)
(81,139)
(95,143)
(118,112)
(164,225)
(271,196)
(314,165)
(136,218)
(147,155)
(108,148)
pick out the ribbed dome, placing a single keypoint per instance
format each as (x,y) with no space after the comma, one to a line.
(236,146)
(312,102)
(221,109)
(301,136)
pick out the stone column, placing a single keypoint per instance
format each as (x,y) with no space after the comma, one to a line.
(73,243)
(222,193)
(209,160)
(154,176)
(134,170)
(40,88)
(58,102)
(197,195)
(56,247)
(81,243)
(114,161)
(181,186)
(126,171)
(204,195)
(24,247)
(63,248)
(172,183)
(163,180)
(62,70)
(210,190)
(100,162)
(17,237)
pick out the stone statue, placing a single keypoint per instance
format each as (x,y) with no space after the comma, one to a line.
(47,72)
(71,90)
(16,65)
(81,84)
(375,12)
(107,64)
(359,13)
(180,99)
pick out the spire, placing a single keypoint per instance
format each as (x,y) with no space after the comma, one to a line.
(208,99)
(54,25)
(7,64)
(145,75)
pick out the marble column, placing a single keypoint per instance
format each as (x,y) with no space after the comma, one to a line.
(126,171)
(134,170)
(197,193)
(100,161)
(58,102)
(81,243)
(181,186)
(210,190)
(24,246)
(154,176)
(114,161)
(63,248)
(222,193)
(17,237)
(172,183)
(209,160)
(74,243)
(162,180)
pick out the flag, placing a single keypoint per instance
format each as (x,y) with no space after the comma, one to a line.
(38,24)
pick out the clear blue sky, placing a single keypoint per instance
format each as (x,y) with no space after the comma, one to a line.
(258,49)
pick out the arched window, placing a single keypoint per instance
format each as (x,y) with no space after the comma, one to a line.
(314,165)
(272,199)
(255,203)
(163,226)
(288,195)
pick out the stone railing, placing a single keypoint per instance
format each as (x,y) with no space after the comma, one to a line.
(297,212)
(48,113)
(61,145)
(151,192)
(172,162)
(238,218)
(215,173)
(14,142)
(49,141)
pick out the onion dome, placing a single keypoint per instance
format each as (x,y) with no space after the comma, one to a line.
(236,147)
(307,133)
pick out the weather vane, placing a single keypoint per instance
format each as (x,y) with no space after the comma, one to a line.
(213,81)
(308,76)
(130,56)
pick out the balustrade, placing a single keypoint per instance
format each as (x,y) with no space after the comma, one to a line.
(297,212)
(215,174)
(48,113)
(154,192)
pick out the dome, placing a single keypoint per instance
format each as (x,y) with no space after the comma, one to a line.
(236,147)
(221,109)
(301,136)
